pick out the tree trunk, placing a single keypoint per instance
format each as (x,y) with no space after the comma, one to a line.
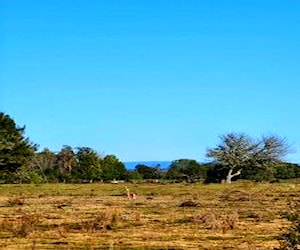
(230,175)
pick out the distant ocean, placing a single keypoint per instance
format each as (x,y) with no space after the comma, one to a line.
(162,164)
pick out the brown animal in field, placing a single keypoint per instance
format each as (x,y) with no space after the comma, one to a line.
(130,195)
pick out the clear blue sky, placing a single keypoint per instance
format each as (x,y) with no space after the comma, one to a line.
(150,80)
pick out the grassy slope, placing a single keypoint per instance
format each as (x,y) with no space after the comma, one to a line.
(99,216)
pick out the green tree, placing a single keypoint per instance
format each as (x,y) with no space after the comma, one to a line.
(297,170)
(149,172)
(65,162)
(15,149)
(88,165)
(215,173)
(44,164)
(186,169)
(28,174)
(285,170)
(133,175)
(239,152)
(113,169)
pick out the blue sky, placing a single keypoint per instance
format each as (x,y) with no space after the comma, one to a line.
(150,80)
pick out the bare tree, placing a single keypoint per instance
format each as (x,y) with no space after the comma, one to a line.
(239,151)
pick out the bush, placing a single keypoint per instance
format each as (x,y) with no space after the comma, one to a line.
(285,171)
(28,175)
(22,226)
(290,240)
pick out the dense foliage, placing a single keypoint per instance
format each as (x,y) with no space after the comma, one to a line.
(147,172)
(237,156)
(15,149)
(88,165)
(188,170)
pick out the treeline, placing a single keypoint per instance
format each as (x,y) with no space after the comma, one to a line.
(82,164)
(21,163)
(237,156)
(191,171)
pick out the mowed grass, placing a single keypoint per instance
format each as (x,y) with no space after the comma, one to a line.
(243,215)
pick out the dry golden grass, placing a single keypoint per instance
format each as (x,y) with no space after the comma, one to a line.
(243,215)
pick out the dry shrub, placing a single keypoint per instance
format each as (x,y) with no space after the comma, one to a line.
(189,204)
(63,203)
(256,216)
(210,220)
(290,238)
(137,216)
(15,201)
(62,230)
(230,221)
(213,221)
(106,220)
(236,195)
(184,220)
(22,226)
(132,218)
